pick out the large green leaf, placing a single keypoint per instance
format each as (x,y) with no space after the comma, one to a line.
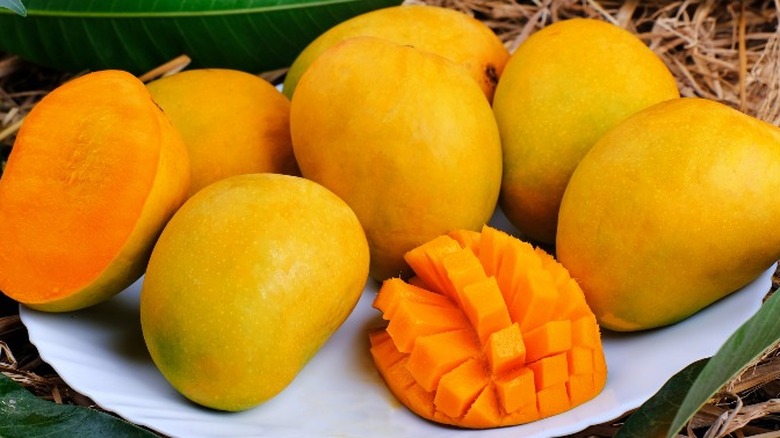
(249,35)
(23,415)
(664,414)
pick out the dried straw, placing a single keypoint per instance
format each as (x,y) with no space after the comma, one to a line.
(20,361)
(721,50)
(724,50)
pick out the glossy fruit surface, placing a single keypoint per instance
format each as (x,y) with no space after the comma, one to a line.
(248,280)
(232,123)
(446,32)
(563,88)
(670,211)
(408,140)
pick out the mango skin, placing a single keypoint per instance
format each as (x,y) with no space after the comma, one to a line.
(671,211)
(408,140)
(446,32)
(562,89)
(232,123)
(246,283)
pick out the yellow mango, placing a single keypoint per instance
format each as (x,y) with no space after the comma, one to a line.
(232,123)
(246,283)
(446,32)
(670,211)
(561,90)
(407,139)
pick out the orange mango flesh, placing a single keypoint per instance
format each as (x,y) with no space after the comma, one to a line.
(95,172)
(489,332)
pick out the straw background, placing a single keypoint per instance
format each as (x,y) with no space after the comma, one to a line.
(724,50)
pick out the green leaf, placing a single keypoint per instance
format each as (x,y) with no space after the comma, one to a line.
(15,6)
(137,36)
(653,418)
(26,416)
(667,412)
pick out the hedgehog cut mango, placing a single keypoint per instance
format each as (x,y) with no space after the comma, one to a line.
(489,332)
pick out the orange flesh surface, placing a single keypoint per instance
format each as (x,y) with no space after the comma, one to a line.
(75,184)
(489,332)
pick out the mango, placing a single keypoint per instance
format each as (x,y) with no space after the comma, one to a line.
(452,34)
(670,211)
(95,173)
(248,280)
(408,140)
(562,89)
(232,123)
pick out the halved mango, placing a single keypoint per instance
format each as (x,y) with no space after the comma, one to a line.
(95,173)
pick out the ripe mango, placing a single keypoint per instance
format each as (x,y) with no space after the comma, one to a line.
(670,211)
(96,172)
(247,281)
(404,136)
(232,123)
(452,34)
(561,90)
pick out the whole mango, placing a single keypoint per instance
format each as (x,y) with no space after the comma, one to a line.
(232,123)
(452,34)
(404,136)
(561,90)
(670,211)
(247,281)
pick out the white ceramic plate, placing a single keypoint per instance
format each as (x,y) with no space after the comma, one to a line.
(100,353)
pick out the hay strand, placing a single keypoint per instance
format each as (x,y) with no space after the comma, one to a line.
(175,65)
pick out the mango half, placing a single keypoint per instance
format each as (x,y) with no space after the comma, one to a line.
(670,211)
(95,173)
